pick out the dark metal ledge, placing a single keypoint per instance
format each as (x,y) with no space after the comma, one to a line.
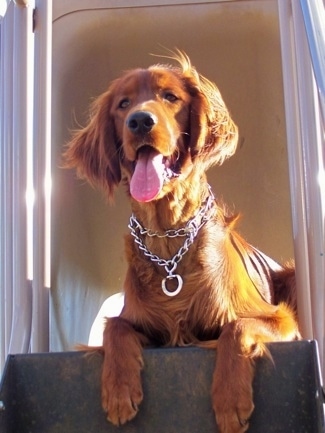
(60,393)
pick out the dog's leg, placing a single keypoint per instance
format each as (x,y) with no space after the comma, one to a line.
(121,375)
(232,394)
(240,343)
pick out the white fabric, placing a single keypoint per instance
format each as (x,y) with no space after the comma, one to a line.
(112,307)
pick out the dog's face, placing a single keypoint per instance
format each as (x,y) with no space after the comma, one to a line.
(151,112)
(153,127)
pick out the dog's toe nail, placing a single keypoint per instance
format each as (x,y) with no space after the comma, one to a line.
(243,422)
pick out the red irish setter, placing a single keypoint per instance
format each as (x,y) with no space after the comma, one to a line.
(191,279)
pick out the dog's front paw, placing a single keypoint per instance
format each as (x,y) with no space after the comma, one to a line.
(232,397)
(232,417)
(121,396)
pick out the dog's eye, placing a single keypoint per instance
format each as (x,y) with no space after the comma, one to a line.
(124,103)
(170,97)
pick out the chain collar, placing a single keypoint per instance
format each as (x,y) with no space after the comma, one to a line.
(190,231)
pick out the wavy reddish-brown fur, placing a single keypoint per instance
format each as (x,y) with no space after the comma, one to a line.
(225,296)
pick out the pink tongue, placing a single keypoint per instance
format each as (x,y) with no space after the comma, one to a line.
(147,180)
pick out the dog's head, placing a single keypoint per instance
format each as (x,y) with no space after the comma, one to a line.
(153,127)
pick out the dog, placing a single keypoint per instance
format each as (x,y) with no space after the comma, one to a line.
(191,278)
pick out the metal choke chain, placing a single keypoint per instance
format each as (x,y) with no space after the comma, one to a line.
(190,231)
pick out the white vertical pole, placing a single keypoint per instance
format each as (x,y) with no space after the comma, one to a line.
(6,158)
(42,176)
(296,165)
(21,138)
(314,19)
(310,19)
(25,174)
(306,157)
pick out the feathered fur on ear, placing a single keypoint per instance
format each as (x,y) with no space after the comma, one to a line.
(94,150)
(217,134)
(213,134)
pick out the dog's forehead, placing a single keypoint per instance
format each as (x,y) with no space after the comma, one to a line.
(165,77)
(153,78)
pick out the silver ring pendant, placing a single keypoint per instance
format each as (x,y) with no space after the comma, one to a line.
(178,288)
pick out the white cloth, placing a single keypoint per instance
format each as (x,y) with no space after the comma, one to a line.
(111,307)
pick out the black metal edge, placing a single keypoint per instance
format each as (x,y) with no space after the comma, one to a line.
(6,396)
(7,385)
(320,396)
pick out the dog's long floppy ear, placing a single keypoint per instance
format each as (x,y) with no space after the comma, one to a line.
(212,128)
(213,134)
(94,150)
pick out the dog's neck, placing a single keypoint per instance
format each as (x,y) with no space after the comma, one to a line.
(173,210)
(200,218)
(187,234)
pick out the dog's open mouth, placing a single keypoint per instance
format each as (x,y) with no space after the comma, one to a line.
(152,171)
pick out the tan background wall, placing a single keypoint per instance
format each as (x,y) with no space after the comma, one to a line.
(236,44)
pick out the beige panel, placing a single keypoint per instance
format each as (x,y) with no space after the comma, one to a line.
(236,44)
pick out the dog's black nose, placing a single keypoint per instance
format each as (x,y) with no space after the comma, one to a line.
(141,122)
